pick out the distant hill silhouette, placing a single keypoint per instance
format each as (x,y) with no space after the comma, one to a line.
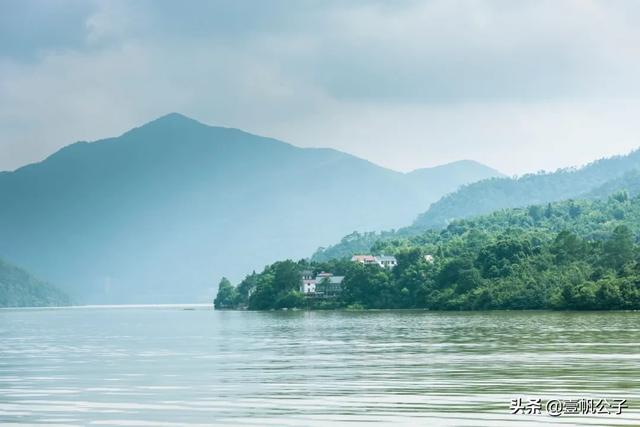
(161,212)
(449,177)
(18,288)
(498,193)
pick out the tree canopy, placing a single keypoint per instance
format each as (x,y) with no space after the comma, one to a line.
(575,254)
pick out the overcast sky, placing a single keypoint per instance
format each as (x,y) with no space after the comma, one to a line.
(518,85)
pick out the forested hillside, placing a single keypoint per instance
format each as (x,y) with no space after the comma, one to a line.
(497,193)
(20,289)
(629,182)
(576,254)
(596,180)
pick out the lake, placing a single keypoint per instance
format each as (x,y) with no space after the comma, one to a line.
(175,365)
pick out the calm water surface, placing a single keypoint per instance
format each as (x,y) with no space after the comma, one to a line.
(175,366)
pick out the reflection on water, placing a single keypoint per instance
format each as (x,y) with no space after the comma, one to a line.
(170,366)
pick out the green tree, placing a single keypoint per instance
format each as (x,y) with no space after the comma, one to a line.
(567,247)
(227,296)
(247,286)
(620,196)
(292,299)
(536,212)
(619,250)
(495,260)
(286,277)
(369,286)
(608,294)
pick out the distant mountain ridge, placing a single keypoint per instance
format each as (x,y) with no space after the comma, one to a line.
(629,182)
(596,180)
(446,178)
(498,193)
(159,213)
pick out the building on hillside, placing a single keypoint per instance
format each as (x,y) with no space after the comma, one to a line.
(429,259)
(328,285)
(308,285)
(322,275)
(321,285)
(386,261)
(364,259)
(383,261)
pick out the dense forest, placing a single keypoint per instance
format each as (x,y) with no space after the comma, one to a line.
(576,254)
(595,181)
(18,288)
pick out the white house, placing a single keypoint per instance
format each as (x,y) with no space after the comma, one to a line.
(325,284)
(308,285)
(386,261)
(383,261)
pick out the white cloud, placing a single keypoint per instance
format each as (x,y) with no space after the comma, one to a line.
(519,85)
(513,137)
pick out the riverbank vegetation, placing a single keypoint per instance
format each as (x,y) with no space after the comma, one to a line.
(566,255)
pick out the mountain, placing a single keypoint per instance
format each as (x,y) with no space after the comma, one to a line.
(498,193)
(629,182)
(159,213)
(20,289)
(596,180)
(446,178)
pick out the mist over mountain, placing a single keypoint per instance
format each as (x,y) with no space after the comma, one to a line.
(446,178)
(159,213)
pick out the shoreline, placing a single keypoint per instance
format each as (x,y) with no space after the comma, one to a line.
(103,306)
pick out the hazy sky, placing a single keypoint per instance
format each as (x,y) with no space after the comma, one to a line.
(518,85)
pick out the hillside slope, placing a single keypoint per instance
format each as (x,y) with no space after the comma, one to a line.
(498,193)
(575,254)
(18,288)
(157,214)
(594,181)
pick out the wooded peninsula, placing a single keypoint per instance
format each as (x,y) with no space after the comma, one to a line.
(575,254)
